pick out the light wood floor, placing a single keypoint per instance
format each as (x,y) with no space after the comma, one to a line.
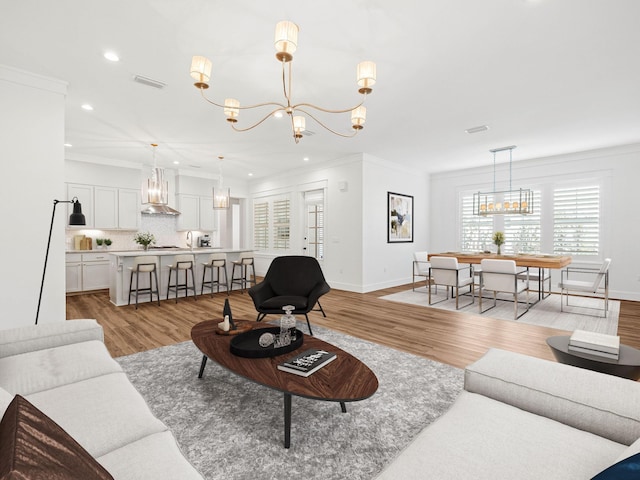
(448,337)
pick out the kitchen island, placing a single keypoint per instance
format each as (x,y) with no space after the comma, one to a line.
(122,261)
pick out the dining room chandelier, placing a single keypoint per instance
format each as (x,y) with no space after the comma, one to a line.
(286,43)
(505,202)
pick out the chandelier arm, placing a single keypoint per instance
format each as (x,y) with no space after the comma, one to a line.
(247,107)
(287,95)
(258,122)
(327,128)
(327,110)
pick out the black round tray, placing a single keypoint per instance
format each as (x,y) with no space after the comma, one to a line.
(247,345)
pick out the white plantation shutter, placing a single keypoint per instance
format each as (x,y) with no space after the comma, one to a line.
(576,220)
(476,230)
(261,225)
(522,232)
(281,221)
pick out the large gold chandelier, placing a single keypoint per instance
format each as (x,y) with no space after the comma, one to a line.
(286,43)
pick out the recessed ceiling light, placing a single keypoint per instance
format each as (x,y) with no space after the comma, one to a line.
(176,162)
(481,128)
(278,114)
(87,107)
(112,56)
(306,159)
(68,145)
(250,174)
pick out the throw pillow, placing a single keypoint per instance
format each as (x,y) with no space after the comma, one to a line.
(627,469)
(34,447)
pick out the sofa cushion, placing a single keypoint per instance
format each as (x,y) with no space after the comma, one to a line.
(591,401)
(154,457)
(32,446)
(102,413)
(627,469)
(485,439)
(14,341)
(44,369)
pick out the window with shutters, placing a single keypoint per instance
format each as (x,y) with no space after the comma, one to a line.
(281,227)
(523,232)
(476,230)
(576,220)
(271,223)
(261,225)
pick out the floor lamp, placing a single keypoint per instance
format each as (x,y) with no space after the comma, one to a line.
(76,218)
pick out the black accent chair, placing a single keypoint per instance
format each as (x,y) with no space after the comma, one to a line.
(290,280)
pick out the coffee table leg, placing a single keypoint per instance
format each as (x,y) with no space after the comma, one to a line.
(202,365)
(343,407)
(287,420)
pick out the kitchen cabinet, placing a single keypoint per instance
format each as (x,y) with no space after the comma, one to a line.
(73,269)
(87,271)
(196,213)
(84,193)
(107,208)
(129,209)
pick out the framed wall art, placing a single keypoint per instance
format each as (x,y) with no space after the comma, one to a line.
(399,218)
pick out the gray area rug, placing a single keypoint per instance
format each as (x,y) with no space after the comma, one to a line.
(232,428)
(580,315)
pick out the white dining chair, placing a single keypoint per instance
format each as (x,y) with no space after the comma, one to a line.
(503,276)
(448,272)
(420,267)
(595,285)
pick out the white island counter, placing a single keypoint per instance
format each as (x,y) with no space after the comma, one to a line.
(121,261)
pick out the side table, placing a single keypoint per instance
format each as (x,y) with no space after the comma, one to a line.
(627,365)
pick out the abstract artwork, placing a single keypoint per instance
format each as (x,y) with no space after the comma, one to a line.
(399,218)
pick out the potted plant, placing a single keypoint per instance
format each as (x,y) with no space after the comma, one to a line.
(145,239)
(99,242)
(498,239)
(107,242)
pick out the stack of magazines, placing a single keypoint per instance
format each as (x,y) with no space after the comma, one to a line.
(598,344)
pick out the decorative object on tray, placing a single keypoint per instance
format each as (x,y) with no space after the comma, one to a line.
(592,343)
(307,362)
(228,326)
(248,344)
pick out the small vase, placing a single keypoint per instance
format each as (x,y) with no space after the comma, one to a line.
(145,247)
(498,249)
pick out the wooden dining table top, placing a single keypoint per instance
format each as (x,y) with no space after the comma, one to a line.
(536,260)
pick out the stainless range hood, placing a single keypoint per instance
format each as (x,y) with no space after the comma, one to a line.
(158,209)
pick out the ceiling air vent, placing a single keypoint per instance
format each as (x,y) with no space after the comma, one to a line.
(150,82)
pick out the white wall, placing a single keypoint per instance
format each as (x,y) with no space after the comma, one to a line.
(389,264)
(619,170)
(32,139)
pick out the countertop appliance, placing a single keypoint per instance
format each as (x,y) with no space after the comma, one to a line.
(204,241)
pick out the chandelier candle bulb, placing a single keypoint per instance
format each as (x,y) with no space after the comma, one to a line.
(298,126)
(358,117)
(366,76)
(231,109)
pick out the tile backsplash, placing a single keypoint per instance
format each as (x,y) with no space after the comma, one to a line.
(163,227)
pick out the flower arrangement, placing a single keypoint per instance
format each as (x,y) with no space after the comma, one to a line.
(144,239)
(498,239)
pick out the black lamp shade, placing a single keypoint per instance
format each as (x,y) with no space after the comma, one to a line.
(77,218)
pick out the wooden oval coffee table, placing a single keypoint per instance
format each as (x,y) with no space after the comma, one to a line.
(346,379)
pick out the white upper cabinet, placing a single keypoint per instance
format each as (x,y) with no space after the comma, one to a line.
(196,213)
(105,207)
(129,209)
(84,193)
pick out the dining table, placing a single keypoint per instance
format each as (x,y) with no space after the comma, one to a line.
(542,261)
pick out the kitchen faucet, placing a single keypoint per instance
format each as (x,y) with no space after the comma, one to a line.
(190,239)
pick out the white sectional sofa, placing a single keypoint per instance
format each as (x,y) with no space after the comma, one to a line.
(526,418)
(65,370)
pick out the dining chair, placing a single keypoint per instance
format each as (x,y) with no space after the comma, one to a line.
(420,267)
(503,276)
(448,272)
(597,284)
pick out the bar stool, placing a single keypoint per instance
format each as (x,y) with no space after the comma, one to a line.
(144,264)
(217,261)
(183,263)
(244,262)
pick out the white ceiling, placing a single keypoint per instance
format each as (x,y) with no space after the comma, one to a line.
(550,76)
